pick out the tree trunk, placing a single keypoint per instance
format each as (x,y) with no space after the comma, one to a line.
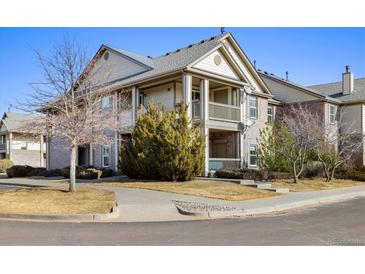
(295,176)
(72,187)
(332,175)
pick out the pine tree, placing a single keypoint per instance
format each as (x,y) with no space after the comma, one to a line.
(164,145)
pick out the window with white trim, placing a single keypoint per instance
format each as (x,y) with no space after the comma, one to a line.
(106,103)
(2,139)
(333,112)
(253,155)
(270,114)
(106,156)
(253,107)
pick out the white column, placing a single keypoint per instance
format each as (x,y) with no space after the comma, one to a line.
(41,151)
(134,105)
(204,116)
(10,146)
(187,90)
(242,120)
(91,156)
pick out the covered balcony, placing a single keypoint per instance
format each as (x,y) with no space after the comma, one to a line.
(223,101)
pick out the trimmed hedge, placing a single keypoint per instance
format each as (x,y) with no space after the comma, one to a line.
(356,173)
(81,172)
(252,174)
(88,172)
(18,171)
(5,164)
(249,174)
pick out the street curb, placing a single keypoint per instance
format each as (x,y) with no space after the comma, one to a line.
(271,209)
(63,217)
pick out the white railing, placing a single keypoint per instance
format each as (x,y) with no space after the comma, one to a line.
(224,163)
(2,146)
(224,112)
(125,119)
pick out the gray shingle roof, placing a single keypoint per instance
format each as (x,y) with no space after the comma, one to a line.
(175,60)
(334,90)
(14,121)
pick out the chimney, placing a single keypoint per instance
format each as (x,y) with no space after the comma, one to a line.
(347,81)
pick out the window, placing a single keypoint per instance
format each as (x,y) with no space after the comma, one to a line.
(106,156)
(106,103)
(2,139)
(253,107)
(196,95)
(270,114)
(253,155)
(141,99)
(333,112)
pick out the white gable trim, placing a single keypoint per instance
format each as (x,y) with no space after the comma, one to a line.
(246,62)
(238,74)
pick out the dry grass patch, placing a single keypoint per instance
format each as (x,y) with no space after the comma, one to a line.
(208,189)
(315,184)
(56,201)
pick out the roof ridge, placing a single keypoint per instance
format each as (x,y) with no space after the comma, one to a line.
(337,82)
(191,45)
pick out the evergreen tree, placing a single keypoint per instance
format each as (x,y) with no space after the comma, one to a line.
(164,145)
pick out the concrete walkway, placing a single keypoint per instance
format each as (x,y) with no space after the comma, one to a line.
(140,205)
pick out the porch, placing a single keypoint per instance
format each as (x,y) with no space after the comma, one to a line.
(224,149)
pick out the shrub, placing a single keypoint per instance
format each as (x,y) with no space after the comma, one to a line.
(313,169)
(249,174)
(87,172)
(276,175)
(18,171)
(356,173)
(5,164)
(36,171)
(53,173)
(106,172)
(164,145)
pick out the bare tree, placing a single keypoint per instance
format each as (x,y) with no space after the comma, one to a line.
(72,97)
(336,146)
(295,135)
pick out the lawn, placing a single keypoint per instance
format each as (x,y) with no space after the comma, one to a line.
(208,189)
(315,184)
(56,201)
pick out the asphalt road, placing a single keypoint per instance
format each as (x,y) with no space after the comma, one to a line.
(336,224)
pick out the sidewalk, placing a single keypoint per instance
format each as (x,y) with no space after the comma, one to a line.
(140,205)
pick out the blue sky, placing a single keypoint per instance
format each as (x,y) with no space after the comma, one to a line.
(311,55)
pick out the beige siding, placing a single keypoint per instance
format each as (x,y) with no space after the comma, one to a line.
(242,66)
(351,118)
(253,132)
(162,95)
(116,67)
(224,69)
(287,94)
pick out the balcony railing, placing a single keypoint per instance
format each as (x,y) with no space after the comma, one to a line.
(224,112)
(125,118)
(224,163)
(2,146)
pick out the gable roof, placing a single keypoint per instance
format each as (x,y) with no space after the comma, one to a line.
(13,121)
(176,60)
(334,90)
(138,58)
(295,85)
